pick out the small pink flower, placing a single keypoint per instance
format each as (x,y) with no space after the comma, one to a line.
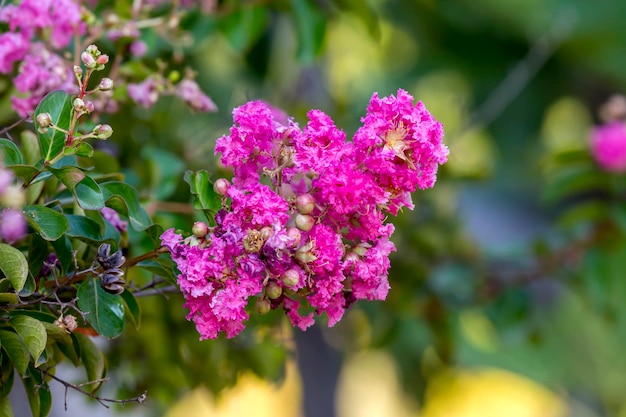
(113,217)
(608,145)
(190,93)
(138,49)
(13,47)
(145,93)
(12,225)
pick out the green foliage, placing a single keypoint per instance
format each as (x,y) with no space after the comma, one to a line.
(13,265)
(59,105)
(105,311)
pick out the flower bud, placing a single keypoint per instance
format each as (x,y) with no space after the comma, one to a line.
(200,229)
(102,59)
(78,71)
(88,60)
(290,278)
(266,232)
(89,106)
(273,290)
(102,132)
(262,306)
(305,203)
(305,222)
(295,235)
(79,105)
(221,186)
(106,84)
(361,248)
(44,119)
(304,254)
(93,50)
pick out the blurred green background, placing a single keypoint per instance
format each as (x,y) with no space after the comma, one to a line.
(508,288)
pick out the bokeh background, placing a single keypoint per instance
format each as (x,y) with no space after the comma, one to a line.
(509,284)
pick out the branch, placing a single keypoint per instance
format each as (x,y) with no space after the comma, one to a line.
(525,70)
(102,400)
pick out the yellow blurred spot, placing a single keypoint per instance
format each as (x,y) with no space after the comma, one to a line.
(489,393)
(251,397)
(566,125)
(368,387)
(478,330)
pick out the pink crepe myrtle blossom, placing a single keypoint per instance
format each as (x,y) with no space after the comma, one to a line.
(12,225)
(302,225)
(608,146)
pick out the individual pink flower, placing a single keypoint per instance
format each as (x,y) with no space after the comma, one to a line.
(13,48)
(12,225)
(113,217)
(608,146)
(138,49)
(190,93)
(145,93)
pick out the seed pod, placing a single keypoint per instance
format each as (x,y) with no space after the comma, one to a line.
(273,290)
(305,222)
(305,203)
(290,278)
(262,306)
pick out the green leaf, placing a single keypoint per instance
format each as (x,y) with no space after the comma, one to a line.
(10,153)
(83,149)
(7,375)
(37,254)
(64,341)
(133,309)
(38,394)
(63,249)
(33,332)
(244,26)
(124,199)
(205,198)
(14,347)
(30,147)
(163,267)
(59,105)
(72,352)
(48,223)
(29,173)
(84,228)
(363,11)
(165,170)
(310,27)
(14,265)
(5,407)
(8,298)
(92,358)
(29,286)
(105,311)
(86,191)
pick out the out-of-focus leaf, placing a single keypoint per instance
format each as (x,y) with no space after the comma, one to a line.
(48,223)
(14,265)
(132,308)
(14,347)
(30,147)
(244,26)
(365,12)
(63,250)
(10,153)
(310,27)
(32,332)
(83,187)
(7,375)
(124,199)
(575,181)
(105,311)
(29,173)
(92,359)
(162,267)
(59,105)
(165,171)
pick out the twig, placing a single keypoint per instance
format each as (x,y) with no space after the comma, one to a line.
(525,70)
(17,123)
(157,291)
(102,400)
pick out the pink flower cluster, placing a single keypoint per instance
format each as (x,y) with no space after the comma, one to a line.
(12,222)
(303,222)
(40,69)
(608,146)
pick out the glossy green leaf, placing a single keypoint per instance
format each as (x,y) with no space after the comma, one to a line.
(201,187)
(10,153)
(48,223)
(63,249)
(14,265)
(38,393)
(92,359)
(29,286)
(124,199)
(310,27)
(83,149)
(84,228)
(72,352)
(59,105)
(14,347)
(132,309)
(37,254)
(86,191)
(33,332)
(162,267)
(105,311)
(5,407)
(29,173)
